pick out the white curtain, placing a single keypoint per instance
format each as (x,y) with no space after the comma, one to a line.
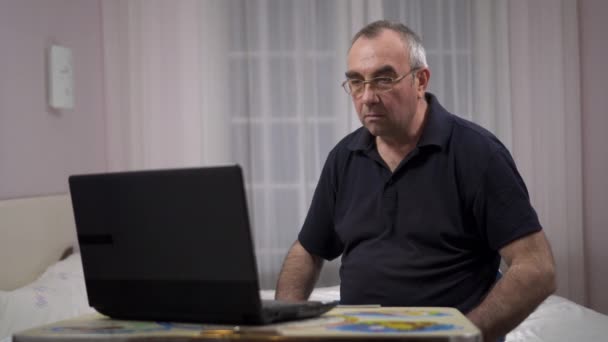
(152,68)
(286,112)
(289,111)
(545,102)
(457,36)
(256,82)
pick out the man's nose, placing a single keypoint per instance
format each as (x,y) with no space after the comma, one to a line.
(369,94)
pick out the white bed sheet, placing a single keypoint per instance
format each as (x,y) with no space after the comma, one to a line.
(559,319)
(60,293)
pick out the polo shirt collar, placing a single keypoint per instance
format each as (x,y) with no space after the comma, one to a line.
(436,132)
(438,126)
(362,141)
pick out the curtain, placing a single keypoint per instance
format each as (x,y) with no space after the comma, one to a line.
(257,82)
(547,143)
(153,85)
(286,112)
(289,111)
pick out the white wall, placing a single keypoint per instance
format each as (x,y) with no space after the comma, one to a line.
(594,99)
(40,147)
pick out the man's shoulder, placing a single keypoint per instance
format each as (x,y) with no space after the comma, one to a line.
(472,139)
(342,153)
(458,135)
(352,142)
(474,149)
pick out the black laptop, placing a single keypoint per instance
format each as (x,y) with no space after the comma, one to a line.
(173,245)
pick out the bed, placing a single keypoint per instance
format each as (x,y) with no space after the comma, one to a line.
(41,279)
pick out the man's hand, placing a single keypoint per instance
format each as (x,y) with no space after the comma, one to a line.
(299,274)
(529,280)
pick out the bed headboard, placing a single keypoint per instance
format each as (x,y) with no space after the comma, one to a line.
(34,232)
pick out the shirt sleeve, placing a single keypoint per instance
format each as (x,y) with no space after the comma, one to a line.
(502,205)
(318,235)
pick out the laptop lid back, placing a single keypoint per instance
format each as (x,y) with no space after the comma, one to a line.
(167,244)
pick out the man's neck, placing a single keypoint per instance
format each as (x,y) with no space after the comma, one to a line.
(407,140)
(393,149)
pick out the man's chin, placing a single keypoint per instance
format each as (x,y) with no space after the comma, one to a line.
(374,130)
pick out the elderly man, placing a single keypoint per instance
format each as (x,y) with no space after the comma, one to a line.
(420,204)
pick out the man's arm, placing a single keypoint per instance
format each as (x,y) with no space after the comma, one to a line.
(529,280)
(299,274)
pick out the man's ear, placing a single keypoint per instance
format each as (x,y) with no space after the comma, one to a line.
(423,76)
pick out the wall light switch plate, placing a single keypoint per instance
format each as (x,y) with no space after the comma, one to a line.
(60,77)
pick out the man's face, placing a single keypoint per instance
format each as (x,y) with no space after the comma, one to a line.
(389,113)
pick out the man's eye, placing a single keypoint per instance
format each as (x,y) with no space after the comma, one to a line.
(384,81)
(355,83)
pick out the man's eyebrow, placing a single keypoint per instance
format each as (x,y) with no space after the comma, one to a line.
(352,74)
(383,70)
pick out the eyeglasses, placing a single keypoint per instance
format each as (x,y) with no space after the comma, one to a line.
(355,87)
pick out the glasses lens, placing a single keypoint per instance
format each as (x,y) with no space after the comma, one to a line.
(355,86)
(383,83)
(378,84)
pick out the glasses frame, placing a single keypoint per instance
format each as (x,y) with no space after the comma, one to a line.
(373,83)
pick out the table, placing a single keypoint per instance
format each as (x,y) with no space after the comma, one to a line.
(343,323)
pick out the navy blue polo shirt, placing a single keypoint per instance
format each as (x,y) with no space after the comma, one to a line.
(427,234)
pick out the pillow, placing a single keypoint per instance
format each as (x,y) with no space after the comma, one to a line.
(322,294)
(59,293)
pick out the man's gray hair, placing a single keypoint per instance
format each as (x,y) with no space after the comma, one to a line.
(409,37)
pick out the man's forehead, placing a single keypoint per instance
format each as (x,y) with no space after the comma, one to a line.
(367,55)
(379,71)
(385,39)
